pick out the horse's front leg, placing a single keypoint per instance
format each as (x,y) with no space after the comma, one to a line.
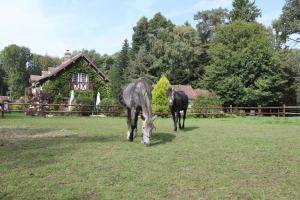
(179,118)
(145,130)
(174,120)
(133,123)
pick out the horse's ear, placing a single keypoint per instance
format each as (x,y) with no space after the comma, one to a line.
(154,117)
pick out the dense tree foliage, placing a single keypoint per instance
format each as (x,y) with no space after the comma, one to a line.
(3,86)
(140,35)
(244,68)
(141,66)
(116,86)
(14,60)
(292,62)
(208,20)
(122,63)
(167,49)
(288,23)
(104,62)
(39,63)
(244,10)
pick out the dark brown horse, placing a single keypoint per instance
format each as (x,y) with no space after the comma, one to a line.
(178,101)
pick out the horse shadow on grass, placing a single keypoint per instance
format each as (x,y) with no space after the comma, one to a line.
(162,138)
(190,128)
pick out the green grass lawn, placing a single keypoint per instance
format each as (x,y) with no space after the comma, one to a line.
(89,158)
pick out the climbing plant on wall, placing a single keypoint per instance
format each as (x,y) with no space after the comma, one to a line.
(59,85)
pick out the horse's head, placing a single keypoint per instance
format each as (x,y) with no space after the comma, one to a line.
(147,129)
(170,95)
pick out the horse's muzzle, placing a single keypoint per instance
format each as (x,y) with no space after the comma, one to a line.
(147,144)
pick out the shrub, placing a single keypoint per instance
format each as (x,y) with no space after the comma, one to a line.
(207,104)
(110,107)
(85,99)
(159,96)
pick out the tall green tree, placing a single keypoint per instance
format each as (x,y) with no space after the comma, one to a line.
(185,56)
(14,60)
(140,35)
(141,66)
(291,59)
(116,87)
(288,23)
(3,85)
(158,22)
(38,63)
(123,62)
(245,69)
(245,10)
(208,20)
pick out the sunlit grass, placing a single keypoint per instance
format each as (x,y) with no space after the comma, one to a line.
(89,158)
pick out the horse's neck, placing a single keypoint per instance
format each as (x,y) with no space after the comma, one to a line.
(146,107)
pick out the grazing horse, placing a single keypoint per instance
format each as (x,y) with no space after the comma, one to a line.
(137,99)
(178,101)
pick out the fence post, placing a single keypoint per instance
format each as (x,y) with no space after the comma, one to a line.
(259,111)
(284,107)
(231,110)
(80,110)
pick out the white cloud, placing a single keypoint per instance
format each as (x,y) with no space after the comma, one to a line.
(24,23)
(209,4)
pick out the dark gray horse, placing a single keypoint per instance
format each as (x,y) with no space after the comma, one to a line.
(178,101)
(137,99)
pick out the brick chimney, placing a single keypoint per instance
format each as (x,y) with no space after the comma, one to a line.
(67,55)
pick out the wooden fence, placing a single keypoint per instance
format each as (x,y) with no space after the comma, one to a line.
(116,110)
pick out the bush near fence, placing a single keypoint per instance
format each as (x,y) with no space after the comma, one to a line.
(207,105)
(110,107)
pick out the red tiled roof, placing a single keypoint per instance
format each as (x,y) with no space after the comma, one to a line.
(4,99)
(54,70)
(189,91)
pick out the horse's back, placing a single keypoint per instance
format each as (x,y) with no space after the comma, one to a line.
(133,93)
(182,100)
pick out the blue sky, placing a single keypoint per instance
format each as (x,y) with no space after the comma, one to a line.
(52,26)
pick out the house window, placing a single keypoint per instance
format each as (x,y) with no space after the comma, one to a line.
(82,78)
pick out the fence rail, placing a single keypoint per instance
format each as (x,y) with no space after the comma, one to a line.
(117,110)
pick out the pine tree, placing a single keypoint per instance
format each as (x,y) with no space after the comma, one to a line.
(123,62)
(141,66)
(244,10)
(115,76)
(140,37)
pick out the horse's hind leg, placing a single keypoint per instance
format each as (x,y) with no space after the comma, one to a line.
(130,131)
(184,114)
(136,116)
